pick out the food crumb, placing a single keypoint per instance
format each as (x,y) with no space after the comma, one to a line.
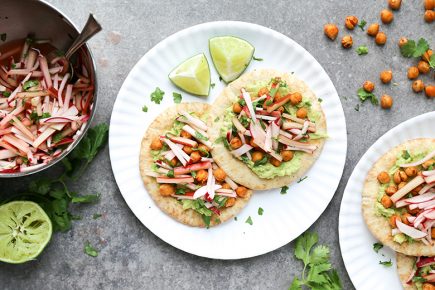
(114,37)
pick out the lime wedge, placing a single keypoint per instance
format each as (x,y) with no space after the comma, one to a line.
(25,230)
(193,75)
(230,55)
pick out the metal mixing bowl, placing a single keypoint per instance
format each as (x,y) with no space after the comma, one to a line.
(18,19)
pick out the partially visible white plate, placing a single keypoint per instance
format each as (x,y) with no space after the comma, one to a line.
(356,241)
(285,216)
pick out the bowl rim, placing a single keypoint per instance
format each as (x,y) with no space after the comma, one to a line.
(94,103)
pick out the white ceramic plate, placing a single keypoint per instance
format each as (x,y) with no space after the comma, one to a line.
(356,241)
(285,216)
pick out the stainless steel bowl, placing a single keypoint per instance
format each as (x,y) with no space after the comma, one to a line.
(18,19)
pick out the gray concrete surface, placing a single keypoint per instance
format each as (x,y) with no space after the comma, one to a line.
(131,256)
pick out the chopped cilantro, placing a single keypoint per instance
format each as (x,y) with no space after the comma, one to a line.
(29,84)
(57,138)
(144,109)
(362,24)
(362,49)
(257,58)
(34,116)
(193,173)
(89,198)
(357,107)
(411,49)
(177,97)
(284,189)
(212,85)
(90,250)
(260,211)
(302,179)
(320,100)
(6,94)
(386,263)
(364,95)
(157,95)
(170,173)
(216,119)
(200,136)
(96,216)
(180,191)
(406,154)
(249,221)
(235,218)
(262,161)
(377,247)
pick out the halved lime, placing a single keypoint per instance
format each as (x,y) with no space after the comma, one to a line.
(25,230)
(231,56)
(193,75)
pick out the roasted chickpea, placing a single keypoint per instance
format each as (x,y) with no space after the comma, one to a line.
(393,220)
(387,16)
(280,109)
(426,56)
(373,29)
(429,16)
(430,91)
(331,31)
(302,113)
(396,177)
(195,156)
(423,67)
(403,175)
(429,4)
(156,144)
(411,171)
(428,163)
(226,186)
(185,134)
(219,174)
(401,185)
(173,162)
(413,73)
(236,143)
(412,211)
(418,86)
(26,122)
(230,202)
(237,108)
(351,22)
(403,41)
(432,233)
(241,191)
(405,218)
(263,91)
(275,162)
(386,102)
(394,4)
(166,189)
(201,176)
(287,155)
(368,86)
(416,190)
(203,150)
(383,177)
(381,38)
(386,76)
(257,156)
(386,201)
(295,98)
(187,149)
(392,189)
(252,143)
(428,286)
(347,41)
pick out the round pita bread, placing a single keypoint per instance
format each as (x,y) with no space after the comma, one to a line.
(234,167)
(170,205)
(404,269)
(379,225)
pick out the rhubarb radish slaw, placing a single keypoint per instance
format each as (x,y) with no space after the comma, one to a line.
(416,272)
(179,172)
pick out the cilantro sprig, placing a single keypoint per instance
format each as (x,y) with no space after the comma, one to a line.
(413,49)
(317,272)
(364,95)
(157,95)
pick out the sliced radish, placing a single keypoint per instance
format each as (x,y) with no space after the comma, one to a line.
(430,179)
(232,184)
(275,133)
(184,141)
(192,167)
(426,188)
(425,261)
(410,231)
(174,180)
(238,125)
(248,101)
(407,188)
(428,173)
(421,161)
(276,105)
(204,140)
(242,150)
(194,121)
(268,139)
(179,153)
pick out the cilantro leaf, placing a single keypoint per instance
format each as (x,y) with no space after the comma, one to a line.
(177,97)
(85,198)
(421,48)
(303,246)
(257,58)
(386,263)
(302,179)
(262,161)
(29,84)
(411,49)
(362,24)
(144,109)
(284,189)
(362,49)
(41,186)
(260,211)
(432,61)
(212,85)
(249,221)
(407,50)
(363,96)
(157,95)
(200,136)
(90,250)
(377,247)
(406,154)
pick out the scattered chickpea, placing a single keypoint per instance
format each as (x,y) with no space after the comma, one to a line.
(257,156)
(381,38)
(295,98)
(347,41)
(405,218)
(331,31)
(241,191)
(203,150)
(252,143)
(351,22)
(393,219)
(275,162)
(423,67)
(166,189)
(201,176)
(403,41)
(413,72)
(236,143)
(185,134)
(386,201)
(396,177)
(156,144)
(386,102)
(230,202)
(392,189)
(412,211)
(394,4)
(387,16)
(383,177)
(373,29)
(429,16)
(386,76)
(219,174)
(195,156)
(287,155)
(426,56)
(429,4)
(401,185)
(411,171)
(302,113)
(173,162)
(237,108)
(403,175)
(430,91)
(418,86)
(368,86)
(428,163)
(226,186)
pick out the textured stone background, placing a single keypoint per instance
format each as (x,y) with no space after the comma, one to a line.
(131,256)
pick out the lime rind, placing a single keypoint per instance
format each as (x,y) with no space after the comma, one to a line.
(25,230)
(231,56)
(193,75)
